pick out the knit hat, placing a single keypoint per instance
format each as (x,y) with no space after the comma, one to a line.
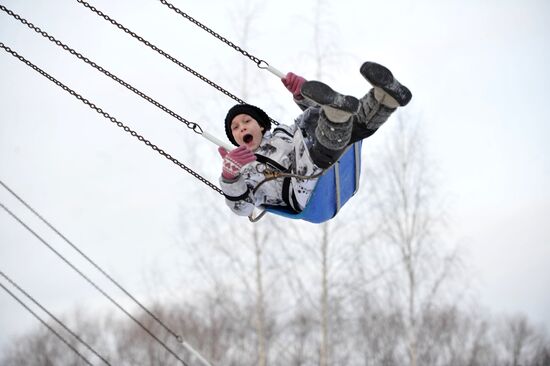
(259,115)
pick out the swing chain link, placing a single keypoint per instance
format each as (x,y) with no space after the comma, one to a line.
(195,127)
(110,118)
(169,57)
(254,59)
(262,64)
(191,125)
(159,51)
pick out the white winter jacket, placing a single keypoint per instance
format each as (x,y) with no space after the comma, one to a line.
(282,149)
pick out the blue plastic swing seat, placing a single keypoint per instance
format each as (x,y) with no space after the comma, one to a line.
(333,190)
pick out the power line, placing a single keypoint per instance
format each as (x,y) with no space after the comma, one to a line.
(113,301)
(93,263)
(46,324)
(178,337)
(53,316)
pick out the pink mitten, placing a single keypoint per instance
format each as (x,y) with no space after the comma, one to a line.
(294,84)
(234,160)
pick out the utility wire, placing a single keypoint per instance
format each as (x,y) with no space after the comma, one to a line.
(46,325)
(113,301)
(53,317)
(96,266)
(178,337)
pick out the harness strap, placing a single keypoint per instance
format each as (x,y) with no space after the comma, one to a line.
(238,198)
(272,163)
(283,131)
(289,197)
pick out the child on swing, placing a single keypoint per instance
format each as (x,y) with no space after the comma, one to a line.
(330,122)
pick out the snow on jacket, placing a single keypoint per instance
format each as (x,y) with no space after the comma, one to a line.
(282,149)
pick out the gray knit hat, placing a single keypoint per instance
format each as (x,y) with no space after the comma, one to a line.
(259,115)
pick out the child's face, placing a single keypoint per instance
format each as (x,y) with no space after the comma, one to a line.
(246,131)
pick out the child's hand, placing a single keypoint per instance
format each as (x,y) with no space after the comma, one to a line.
(234,160)
(294,84)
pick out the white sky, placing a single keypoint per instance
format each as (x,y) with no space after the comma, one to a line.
(479,75)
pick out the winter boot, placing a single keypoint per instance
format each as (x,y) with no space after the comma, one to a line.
(387,90)
(338,108)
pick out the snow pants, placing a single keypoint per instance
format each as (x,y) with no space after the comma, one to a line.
(327,141)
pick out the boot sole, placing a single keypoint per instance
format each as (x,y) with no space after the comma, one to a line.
(380,76)
(324,95)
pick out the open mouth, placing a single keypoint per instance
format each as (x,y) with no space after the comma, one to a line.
(247,138)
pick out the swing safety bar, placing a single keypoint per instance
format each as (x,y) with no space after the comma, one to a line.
(217,141)
(265,66)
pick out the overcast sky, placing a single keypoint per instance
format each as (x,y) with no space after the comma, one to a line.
(478,71)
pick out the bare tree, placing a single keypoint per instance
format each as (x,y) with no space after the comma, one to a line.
(231,253)
(521,343)
(457,337)
(411,218)
(323,52)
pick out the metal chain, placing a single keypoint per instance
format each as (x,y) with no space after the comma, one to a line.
(161,52)
(166,55)
(110,118)
(256,60)
(262,64)
(191,125)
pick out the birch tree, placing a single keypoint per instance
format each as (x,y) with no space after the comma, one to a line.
(411,215)
(321,253)
(231,252)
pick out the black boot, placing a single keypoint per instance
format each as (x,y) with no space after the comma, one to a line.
(380,76)
(337,107)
